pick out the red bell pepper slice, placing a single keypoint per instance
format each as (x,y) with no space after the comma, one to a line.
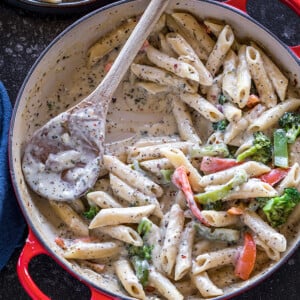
(180,180)
(246,261)
(274,176)
(214,164)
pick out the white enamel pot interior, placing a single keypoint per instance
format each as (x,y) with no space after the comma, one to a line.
(54,69)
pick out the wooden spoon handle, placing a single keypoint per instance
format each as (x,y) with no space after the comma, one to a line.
(125,58)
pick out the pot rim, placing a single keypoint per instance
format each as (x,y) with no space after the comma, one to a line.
(30,223)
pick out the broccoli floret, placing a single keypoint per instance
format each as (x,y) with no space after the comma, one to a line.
(92,212)
(218,205)
(212,196)
(290,122)
(220,125)
(143,252)
(140,257)
(260,151)
(278,209)
(220,150)
(141,267)
(144,226)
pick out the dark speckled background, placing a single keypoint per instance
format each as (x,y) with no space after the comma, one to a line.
(23,36)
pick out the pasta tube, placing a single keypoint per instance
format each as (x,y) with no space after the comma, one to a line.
(116,216)
(172,64)
(264,231)
(129,279)
(205,108)
(132,177)
(259,75)
(222,46)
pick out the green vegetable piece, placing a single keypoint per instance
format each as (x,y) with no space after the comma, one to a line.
(281,154)
(278,209)
(260,151)
(167,175)
(92,212)
(290,122)
(143,252)
(220,150)
(141,267)
(144,227)
(220,125)
(219,234)
(222,99)
(218,206)
(212,196)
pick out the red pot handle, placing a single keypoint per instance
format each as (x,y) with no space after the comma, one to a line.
(31,249)
(239,4)
(293,4)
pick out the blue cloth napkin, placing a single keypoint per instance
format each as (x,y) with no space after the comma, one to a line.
(12,223)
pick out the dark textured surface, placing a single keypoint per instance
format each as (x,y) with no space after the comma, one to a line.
(24,35)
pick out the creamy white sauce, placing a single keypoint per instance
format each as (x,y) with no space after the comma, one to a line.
(62,160)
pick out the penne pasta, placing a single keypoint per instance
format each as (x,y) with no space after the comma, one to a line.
(205,286)
(172,64)
(133,196)
(292,179)
(265,232)
(229,81)
(214,91)
(271,116)
(161,77)
(175,27)
(251,189)
(243,79)
(184,122)
(278,79)
(194,29)
(116,216)
(132,177)
(123,233)
(259,75)
(205,108)
(184,256)
(252,168)
(155,166)
(231,112)
(165,46)
(152,88)
(155,151)
(91,250)
(172,239)
(214,259)
(187,54)
(214,27)
(129,279)
(70,218)
(102,199)
(219,218)
(163,285)
(272,253)
(218,54)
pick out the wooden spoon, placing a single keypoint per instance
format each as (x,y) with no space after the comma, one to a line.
(63,158)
